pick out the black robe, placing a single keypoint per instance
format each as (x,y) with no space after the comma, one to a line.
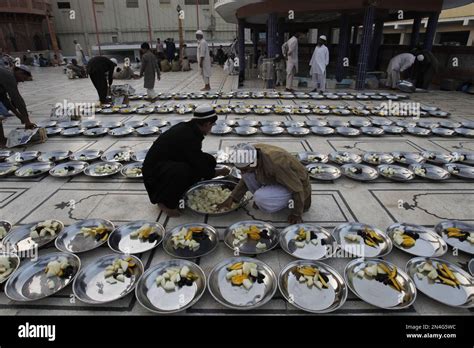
(175,162)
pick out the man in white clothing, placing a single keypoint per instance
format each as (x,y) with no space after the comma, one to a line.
(318,63)
(397,65)
(80,56)
(290,52)
(204,59)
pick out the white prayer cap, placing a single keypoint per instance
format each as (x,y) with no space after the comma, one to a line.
(420,57)
(323,37)
(244,155)
(199,32)
(203,112)
(114,61)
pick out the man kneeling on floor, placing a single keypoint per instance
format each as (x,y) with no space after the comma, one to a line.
(275,177)
(175,161)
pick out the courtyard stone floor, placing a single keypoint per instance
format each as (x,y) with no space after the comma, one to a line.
(121,200)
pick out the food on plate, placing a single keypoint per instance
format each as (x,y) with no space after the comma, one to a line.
(355,170)
(3,232)
(99,233)
(244,274)
(401,158)
(64,171)
(304,237)
(455,232)
(453,169)
(368,236)
(119,270)
(123,156)
(189,238)
(32,172)
(381,273)
(58,268)
(316,170)
(420,171)
(244,233)
(5,268)
(134,171)
(312,276)
(105,169)
(176,277)
(406,239)
(343,158)
(207,199)
(373,158)
(7,170)
(145,233)
(314,158)
(44,228)
(437,272)
(388,171)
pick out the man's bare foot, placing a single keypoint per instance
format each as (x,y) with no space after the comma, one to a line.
(172,213)
(207,88)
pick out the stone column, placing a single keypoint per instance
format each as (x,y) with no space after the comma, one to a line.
(431,30)
(415,31)
(241,42)
(376,42)
(343,46)
(365,46)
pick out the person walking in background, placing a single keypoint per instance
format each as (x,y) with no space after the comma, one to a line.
(160,48)
(101,72)
(319,62)
(170,50)
(397,65)
(150,70)
(290,52)
(220,56)
(204,60)
(80,56)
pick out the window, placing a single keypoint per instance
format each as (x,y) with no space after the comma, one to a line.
(195,2)
(64,5)
(132,3)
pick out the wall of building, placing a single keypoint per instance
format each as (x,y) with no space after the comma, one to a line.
(118,23)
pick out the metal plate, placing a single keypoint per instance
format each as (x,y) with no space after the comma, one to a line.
(428,243)
(408,157)
(68,124)
(312,299)
(444,132)
(47,124)
(72,132)
(418,131)
(342,112)
(359,248)
(323,172)
(359,172)
(220,156)
(221,130)
(272,130)
(54,131)
(30,283)
(73,168)
(147,131)
(117,156)
(20,242)
(343,157)
(377,293)
(438,157)
(428,108)
(431,172)
(7,169)
(121,242)
(325,247)
(395,173)
(380,122)
(206,247)
(450,124)
(121,132)
(338,123)
(262,111)
(460,296)
(96,132)
(248,123)
(156,123)
(301,111)
(465,245)
(14,263)
(126,170)
(428,124)
(90,124)
(393,129)
(90,285)
(139,156)
(240,298)
(72,240)
(145,111)
(468,124)
(464,157)
(108,111)
(378,158)
(465,132)
(348,131)
(406,124)
(54,156)
(163,110)
(360,122)
(298,131)
(316,123)
(92,169)
(470,266)
(86,155)
(460,170)
(439,113)
(23,157)
(34,170)
(212,183)
(312,157)
(134,124)
(372,131)
(246,131)
(157,300)
(249,246)
(323,130)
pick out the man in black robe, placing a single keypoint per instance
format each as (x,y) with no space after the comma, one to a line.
(101,72)
(426,67)
(175,161)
